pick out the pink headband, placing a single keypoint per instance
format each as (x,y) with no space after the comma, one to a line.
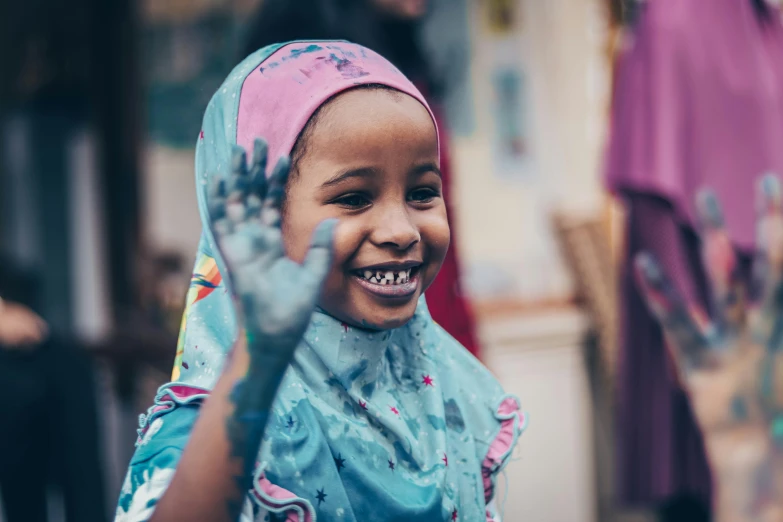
(279,96)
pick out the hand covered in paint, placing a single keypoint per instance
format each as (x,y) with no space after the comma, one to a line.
(731,366)
(20,327)
(276,295)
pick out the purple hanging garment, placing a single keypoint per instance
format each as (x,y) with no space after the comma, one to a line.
(698,102)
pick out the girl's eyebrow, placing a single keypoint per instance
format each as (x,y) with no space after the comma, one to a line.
(426,167)
(366,172)
(363,172)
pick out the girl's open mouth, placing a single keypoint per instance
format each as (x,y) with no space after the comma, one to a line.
(389,283)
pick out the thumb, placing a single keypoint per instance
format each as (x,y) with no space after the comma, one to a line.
(318,260)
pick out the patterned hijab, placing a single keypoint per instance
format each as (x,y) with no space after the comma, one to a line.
(400,424)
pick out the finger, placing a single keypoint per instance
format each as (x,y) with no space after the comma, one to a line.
(318,260)
(240,180)
(216,200)
(19,345)
(238,161)
(257,176)
(686,330)
(768,267)
(258,168)
(25,332)
(270,214)
(770,227)
(720,261)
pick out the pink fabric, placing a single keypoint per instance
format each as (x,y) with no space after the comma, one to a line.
(277,106)
(183,392)
(698,101)
(513,422)
(172,395)
(276,498)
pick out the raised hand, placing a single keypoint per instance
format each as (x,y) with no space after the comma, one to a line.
(276,298)
(731,365)
(276,295)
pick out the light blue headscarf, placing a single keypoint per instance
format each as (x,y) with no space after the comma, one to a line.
(401,424)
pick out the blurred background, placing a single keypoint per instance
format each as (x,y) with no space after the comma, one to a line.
(100,109)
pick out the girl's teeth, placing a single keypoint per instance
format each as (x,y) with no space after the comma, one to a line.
(388,277)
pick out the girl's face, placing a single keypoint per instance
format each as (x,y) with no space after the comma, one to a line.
(371,160)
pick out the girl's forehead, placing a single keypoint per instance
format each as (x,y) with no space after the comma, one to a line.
(378,132)
(280,94)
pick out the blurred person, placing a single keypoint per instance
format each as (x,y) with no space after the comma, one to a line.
(49,435)
(730,362)
(698,101)
(390,28)
(310,379)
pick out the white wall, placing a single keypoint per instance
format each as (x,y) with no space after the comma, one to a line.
(171,218)
(504,224)
(539,359)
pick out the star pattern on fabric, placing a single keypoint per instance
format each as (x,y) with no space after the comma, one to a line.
(201,135)
(290,423)
(363,405)
(426,380)
(321,496)
(391,464)
(339,461)
(445,459)
(394,410)
(454,514)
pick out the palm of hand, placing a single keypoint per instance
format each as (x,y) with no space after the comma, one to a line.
(276,295)
(731,366)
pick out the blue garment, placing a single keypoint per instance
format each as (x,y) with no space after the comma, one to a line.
(400,424)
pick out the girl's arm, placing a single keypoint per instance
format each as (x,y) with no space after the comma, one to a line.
(277,297)
(216,468)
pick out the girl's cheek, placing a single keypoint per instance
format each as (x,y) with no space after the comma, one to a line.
(296,238)
(434,228)
(348,238)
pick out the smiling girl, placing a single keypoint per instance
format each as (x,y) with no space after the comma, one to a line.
(323,389)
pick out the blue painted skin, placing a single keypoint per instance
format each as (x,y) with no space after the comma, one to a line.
(276,295)
(730,366)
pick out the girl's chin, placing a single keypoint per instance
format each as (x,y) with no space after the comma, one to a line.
(373,320)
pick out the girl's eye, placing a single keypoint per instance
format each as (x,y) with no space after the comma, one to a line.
(352,201)
(423,195)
